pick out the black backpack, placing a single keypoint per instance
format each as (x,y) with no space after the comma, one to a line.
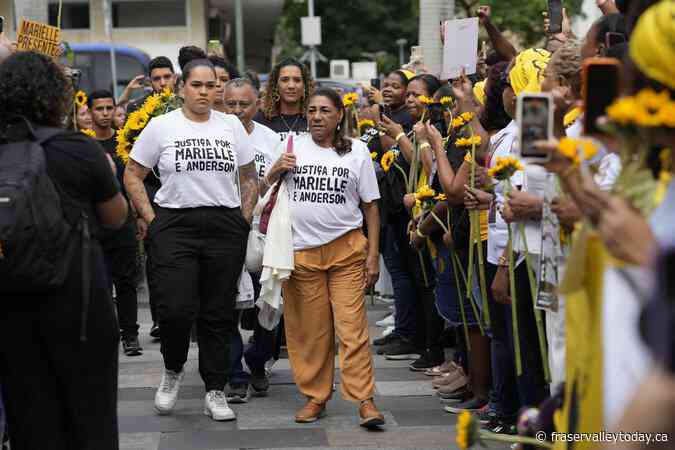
(37,229)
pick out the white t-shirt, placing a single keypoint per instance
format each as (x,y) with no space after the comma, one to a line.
(265,143)
(501,145)
(326,190)
(198,161)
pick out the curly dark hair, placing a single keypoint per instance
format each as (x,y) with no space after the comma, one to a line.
(272,99)
(35,87)
(341,142)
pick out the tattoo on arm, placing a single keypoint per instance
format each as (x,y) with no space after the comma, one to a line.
(248,181)
(134,174)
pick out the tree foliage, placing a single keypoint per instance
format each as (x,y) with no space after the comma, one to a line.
(353,27)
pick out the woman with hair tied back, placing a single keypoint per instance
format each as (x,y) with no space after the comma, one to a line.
(332,189)
(198,235)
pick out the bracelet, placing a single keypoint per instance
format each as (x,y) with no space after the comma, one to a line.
(399,136)
(425,145)
(420,234)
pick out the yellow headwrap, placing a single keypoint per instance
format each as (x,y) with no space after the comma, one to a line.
(408,74)
(528,70)
(652,44)
(479,91)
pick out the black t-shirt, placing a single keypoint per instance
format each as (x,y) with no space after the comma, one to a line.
(110,145)
(402,117)
(78,165)
(283,124)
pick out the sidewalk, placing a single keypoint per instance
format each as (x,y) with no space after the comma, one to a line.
(414,416)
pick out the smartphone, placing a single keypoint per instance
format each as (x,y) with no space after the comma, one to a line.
(2,24)
(534,116)
(375,82)
(385,110)
(600,80)
(613,38)
(555,16)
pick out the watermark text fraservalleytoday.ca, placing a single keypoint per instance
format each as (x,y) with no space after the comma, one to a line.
(606,436)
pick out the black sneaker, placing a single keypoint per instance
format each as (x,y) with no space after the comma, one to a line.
(458,396)
(383,349)
(425,362)
(472,405)
(488,415)
(501,426)
(131,346)
(238,393)
(259,384)
(154,331)
(401,350)
(385,340)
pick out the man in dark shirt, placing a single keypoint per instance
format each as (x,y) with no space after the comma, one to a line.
(119,246)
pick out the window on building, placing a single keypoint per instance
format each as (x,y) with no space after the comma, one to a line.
(74,15)
(153,13)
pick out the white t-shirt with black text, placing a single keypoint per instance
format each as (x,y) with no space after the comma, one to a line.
(267,148)
(198,161)
(326,191)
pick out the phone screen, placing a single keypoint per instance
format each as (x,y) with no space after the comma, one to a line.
(534,123)
(555,16)
(386,111)
(602,87)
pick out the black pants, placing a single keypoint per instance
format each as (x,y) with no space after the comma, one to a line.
(61,393)
(531,384)
(120,250)
(198,255)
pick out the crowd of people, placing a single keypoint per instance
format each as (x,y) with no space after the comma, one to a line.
(535,295)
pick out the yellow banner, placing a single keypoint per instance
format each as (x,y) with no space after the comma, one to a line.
(39,37)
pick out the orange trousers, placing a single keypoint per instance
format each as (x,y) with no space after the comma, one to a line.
(325,295)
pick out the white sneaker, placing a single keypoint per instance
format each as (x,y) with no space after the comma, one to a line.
(387,331)
(215,406)
(167,393)
(387,321)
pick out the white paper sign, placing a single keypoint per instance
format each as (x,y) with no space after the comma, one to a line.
(461,47)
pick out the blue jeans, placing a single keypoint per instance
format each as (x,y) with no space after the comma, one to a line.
(256,354)
(404,287)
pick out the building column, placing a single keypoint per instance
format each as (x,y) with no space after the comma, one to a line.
(432,12)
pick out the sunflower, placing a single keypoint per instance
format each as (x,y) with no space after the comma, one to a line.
(425,100)
(621,111)
(88,132)
(505,167)
(446,101)
(467,430)
(80,99)
(387,160)
(373,155)
(151,104)
(568,148)
(468,142)
(666,115)
(350,99)
(123,146)
(425,193)
(588,149)
(166,94)
(363,123)
(651,101)
(457,122)
(137,120)
(467,116)
(441,197)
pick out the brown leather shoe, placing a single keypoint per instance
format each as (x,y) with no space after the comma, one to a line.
(369,415)
(311,412)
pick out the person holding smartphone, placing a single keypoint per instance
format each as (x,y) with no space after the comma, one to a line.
(333,191)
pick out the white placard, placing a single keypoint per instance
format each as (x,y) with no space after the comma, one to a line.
(364,71)
(461,47)
(311,30)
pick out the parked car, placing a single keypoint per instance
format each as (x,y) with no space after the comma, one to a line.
(93,61)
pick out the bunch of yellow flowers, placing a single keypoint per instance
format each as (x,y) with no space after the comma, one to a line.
(505,167)
(468,142)
(646,109)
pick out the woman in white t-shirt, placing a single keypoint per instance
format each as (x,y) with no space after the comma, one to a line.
(198,236)
(332,189)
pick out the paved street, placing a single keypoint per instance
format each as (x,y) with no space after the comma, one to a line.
(414,416)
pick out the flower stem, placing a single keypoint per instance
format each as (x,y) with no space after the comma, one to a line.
(439,221)
(514,305)
(424,271)
(537,312)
